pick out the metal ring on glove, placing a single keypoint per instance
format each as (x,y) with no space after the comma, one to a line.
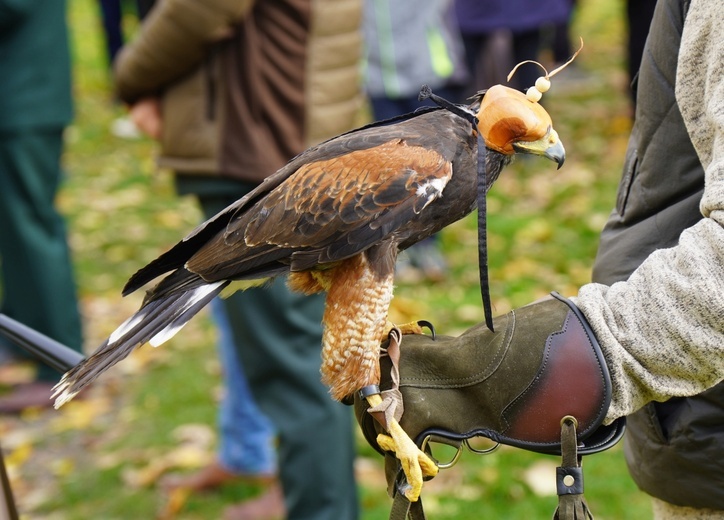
(570,418)
(440,465)
(476,451)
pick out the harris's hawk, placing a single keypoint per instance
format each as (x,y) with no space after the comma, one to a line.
(334,219)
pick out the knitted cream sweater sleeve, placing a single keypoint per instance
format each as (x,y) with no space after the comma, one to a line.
(662,330)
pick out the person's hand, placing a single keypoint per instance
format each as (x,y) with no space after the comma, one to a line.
(146,115)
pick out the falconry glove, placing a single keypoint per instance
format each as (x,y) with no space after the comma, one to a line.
(513,386)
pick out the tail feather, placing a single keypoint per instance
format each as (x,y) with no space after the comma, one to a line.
(156,322)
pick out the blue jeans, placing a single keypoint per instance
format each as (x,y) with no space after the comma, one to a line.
(278,335)
(246,443)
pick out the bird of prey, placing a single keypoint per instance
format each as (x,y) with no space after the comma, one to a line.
(334,219)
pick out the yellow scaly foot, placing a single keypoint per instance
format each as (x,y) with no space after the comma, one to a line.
(415,463)
(413,327)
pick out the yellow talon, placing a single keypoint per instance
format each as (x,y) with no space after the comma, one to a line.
(413,327)
(415,463)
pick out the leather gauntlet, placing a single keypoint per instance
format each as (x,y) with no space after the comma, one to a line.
(512,386)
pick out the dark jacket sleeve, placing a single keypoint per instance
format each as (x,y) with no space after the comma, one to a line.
(173,40)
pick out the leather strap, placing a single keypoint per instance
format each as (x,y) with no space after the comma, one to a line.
(403,509)
(391,405)
(569,477)
(482,191)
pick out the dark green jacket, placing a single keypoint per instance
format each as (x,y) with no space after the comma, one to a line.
(674,449)
(34,31)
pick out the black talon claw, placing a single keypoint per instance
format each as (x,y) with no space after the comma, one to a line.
(425,323)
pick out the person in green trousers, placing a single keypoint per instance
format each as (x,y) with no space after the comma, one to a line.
(37,286)
(233,90)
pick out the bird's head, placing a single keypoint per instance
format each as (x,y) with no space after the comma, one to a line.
(510,123)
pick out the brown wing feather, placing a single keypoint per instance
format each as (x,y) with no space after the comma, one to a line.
(332,209)
(326,198)
(431,128)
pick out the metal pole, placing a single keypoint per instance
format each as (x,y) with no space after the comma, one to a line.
(8,511)
(54,354)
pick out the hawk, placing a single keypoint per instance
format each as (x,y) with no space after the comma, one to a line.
(334,219)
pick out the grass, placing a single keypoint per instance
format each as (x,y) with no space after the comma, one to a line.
(156,412)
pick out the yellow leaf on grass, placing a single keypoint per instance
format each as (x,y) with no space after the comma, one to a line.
(174,504)
(183,457)
(80,414)
(19,455)
(541,478)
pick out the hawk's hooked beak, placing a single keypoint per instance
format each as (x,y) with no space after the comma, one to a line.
(548,146)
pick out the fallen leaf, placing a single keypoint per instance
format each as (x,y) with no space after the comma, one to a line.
(80,414)
(183,457)
(19,455)
(174,504)
(541,478)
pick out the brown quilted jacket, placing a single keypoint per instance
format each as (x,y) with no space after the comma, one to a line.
(236,77)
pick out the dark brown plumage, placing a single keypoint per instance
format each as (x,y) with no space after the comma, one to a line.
(370,192)
(334,219)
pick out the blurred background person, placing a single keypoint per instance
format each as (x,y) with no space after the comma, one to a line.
(114,36)
(37,286)
(498,34)
(412,43)
(246,450)
(112,21)
(233,90)
(247,440)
